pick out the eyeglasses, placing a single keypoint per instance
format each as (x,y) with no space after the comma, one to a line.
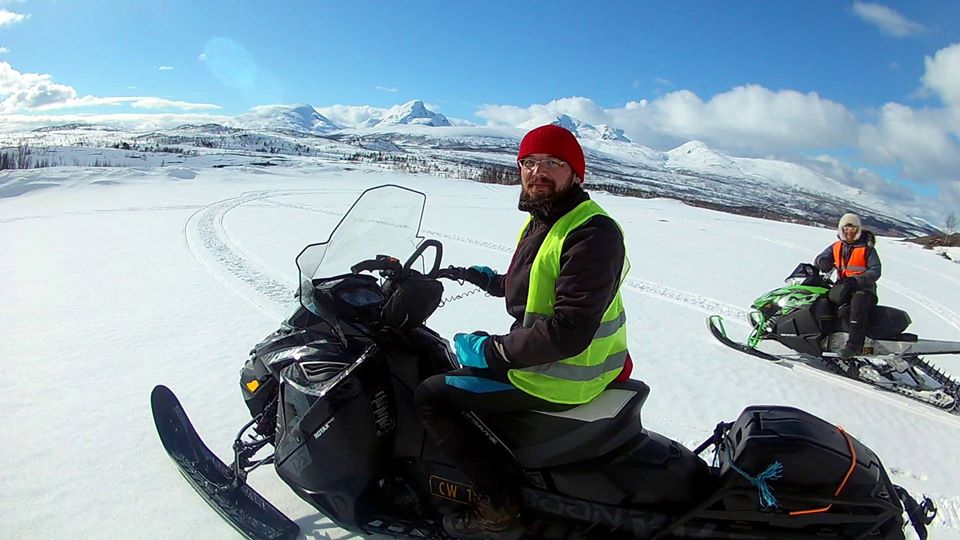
(548,164)
(850,226)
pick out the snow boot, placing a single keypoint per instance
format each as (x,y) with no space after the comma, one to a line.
(486,521)
(854,345)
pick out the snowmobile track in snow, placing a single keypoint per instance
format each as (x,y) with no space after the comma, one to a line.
(212,246)
(226,259)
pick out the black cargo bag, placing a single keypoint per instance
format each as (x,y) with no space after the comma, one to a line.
(814,458)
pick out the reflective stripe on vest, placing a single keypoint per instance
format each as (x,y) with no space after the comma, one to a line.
(580,378)
(857,263)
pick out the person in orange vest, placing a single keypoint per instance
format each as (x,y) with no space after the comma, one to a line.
(858,268)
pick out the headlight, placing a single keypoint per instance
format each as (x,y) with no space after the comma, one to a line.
(312,379)
(318,349)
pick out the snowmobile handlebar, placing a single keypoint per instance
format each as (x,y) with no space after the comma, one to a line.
(453,273)
(383,263)
(391,266)
(420,249)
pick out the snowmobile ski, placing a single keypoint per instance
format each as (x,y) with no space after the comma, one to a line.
(715,325)
(238,503)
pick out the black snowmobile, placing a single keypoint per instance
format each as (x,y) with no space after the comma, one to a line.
(332,390)
(800,317)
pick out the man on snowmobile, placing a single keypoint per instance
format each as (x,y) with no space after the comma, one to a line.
(858,269)
(568,340)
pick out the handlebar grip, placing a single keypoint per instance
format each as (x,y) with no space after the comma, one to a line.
(382,262)
(368,265)
(455,273)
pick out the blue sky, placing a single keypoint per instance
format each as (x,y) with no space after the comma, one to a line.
(875,86)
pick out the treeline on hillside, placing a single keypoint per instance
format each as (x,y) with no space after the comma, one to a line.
(937,240)
(19,157)
(23,156)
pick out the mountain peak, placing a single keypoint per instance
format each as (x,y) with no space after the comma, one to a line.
(298,117)
(692,145)
(579,128)
(413,112)
(696,154)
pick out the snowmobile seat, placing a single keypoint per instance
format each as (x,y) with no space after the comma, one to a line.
(885,322)
(546,439)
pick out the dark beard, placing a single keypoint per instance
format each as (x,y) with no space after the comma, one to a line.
(538,207)
(542,207)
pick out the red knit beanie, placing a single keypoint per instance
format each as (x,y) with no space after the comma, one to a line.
(556,141)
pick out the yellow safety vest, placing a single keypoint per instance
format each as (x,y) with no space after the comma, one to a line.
(580,378)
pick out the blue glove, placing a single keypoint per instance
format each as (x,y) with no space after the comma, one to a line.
(469,348)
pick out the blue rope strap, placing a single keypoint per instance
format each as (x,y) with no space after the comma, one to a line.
(772,472)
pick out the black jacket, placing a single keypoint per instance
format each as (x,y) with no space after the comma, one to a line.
(591,261)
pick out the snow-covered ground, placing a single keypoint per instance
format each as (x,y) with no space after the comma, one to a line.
(115,280)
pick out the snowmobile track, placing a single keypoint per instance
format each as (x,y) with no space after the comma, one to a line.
(212,245)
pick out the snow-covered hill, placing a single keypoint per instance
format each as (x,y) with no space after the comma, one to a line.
(411,137)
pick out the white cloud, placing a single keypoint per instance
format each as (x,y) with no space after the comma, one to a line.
(749,119)
(160,103)
(785,124)
(350,114)
(887,20)
(942,74)
(29,90)
(4,50)
(9,17)
(753,118)
(923,143)
(131,121)
(920,141)
(202,57)
(388,89)
(861,178)
(38,92)
(580,108)
(165,68)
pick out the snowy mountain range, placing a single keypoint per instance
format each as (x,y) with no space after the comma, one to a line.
(413,138)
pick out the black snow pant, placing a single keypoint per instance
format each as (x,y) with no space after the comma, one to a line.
(861,306)
(442,400)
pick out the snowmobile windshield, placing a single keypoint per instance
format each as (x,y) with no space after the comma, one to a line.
(384,220)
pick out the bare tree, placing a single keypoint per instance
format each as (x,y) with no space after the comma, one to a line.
(949,227)
(22,158)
